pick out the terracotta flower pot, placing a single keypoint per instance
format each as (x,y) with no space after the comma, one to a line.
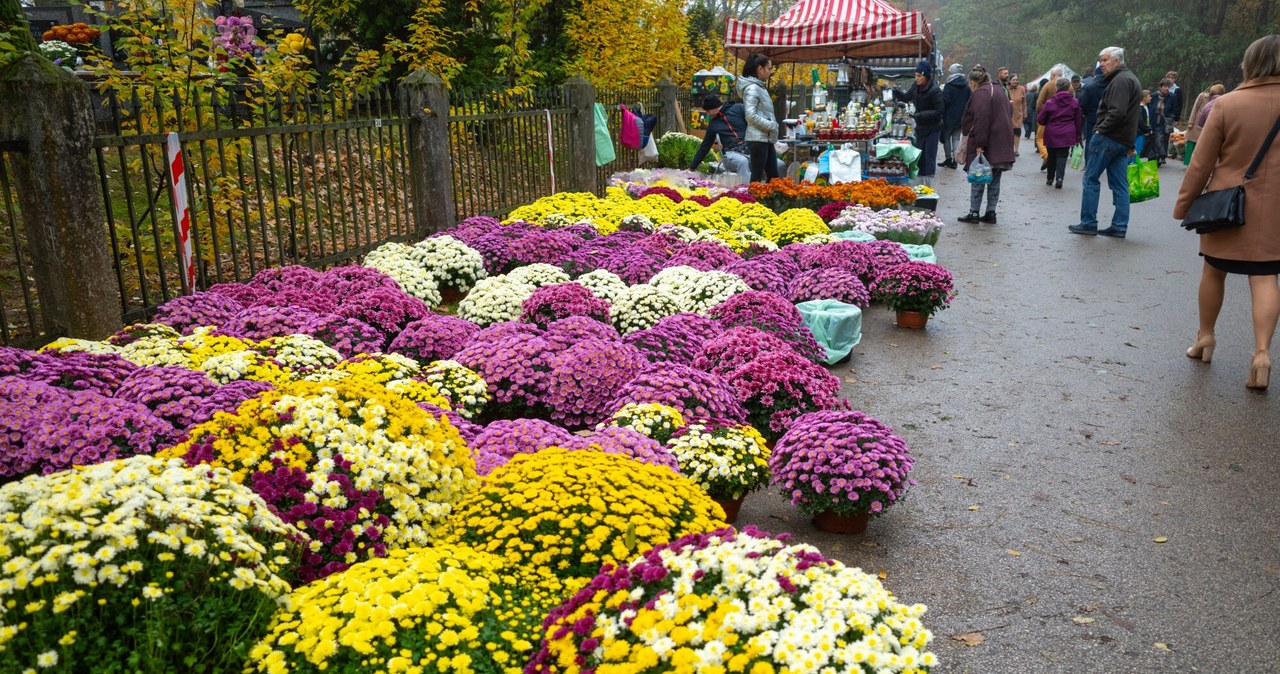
(731,508)
(912,319)
(841,524)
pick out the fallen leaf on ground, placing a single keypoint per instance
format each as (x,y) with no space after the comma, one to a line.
(870,544)
(1161,646)
(1108,442)
(973,507)
(1271,570)
(1081,620)
(1013,552)
(969,638)
(935,367)
(883,575)
(1128,478)
(1161,539)
(1091,607)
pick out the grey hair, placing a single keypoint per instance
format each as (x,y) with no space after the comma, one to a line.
(1062,84)
(1116,54)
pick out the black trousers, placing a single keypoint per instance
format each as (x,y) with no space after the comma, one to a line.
(764,161)
(1058,163)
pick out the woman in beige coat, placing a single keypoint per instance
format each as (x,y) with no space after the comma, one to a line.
(1235,129)
(1193,128)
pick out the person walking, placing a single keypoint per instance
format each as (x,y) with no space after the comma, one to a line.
(988,125)
(1111,146)
(1233,135)
(955,96)
(1029,116)
(1161,123)
(928,116)
(1194,127)
(1173,106)
(1048,88)
(1017,99)
(1090,95)
(762,127)
(1063,125)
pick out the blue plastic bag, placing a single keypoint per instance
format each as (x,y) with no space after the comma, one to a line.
(980,170)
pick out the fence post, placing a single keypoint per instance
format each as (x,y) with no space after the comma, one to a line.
(582,162)
(47,112)
(426,104)
(668,118)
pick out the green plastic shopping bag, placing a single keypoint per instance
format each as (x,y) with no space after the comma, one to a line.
(1144,181)
(1076,158)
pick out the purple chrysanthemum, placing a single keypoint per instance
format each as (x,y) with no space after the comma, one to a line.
(435,337)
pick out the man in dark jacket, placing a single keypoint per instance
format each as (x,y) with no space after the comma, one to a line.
(955,95)
(1111,147)
(928,117)
(1090,95)
(1173,106)
(728,124)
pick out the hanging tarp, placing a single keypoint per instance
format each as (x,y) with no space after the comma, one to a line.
(826,30)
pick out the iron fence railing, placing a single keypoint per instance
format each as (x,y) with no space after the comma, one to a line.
(508,150)
(272,178)
(640,100)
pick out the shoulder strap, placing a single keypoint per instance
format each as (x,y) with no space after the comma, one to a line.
(1266,144)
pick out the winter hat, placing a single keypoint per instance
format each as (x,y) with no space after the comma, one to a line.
(923,68)
(711,102)
(956,69)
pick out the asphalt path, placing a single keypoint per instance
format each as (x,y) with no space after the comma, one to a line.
(1089,498)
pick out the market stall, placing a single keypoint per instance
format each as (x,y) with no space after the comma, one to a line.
(844,32)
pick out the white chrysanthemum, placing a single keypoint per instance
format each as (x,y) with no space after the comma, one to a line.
(451,262)
(493,300)
(466,390)
(538,274)
(300,353)
(642,306)
(397,261)
(604,284)
(158,351)
(69,344)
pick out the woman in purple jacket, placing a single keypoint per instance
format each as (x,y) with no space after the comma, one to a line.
(1063,127)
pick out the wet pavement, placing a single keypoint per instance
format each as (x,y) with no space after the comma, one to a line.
(1089,498)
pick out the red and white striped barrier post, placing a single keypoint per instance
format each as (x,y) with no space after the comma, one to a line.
(181,211)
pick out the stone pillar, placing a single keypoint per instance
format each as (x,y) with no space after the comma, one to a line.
(582,163)
(47,111)
(668,116)
(426,103)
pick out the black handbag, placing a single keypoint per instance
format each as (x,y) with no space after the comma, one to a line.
(1224,209)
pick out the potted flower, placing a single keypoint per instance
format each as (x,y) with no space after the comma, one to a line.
(916,290)
(815,614)
(776,387)
(573,511)
(727,460)
(841,468)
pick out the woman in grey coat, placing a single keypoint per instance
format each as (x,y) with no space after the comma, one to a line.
(762,127)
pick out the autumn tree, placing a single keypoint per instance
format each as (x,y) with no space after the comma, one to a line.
(630,42)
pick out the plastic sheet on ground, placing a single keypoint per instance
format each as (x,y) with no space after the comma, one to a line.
(837,326)
(922,252)
(854,236)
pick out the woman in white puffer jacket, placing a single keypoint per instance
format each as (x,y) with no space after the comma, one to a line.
(762,127)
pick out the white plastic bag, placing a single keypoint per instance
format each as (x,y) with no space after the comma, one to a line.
(846,165)
(649,153)
(980,170)
(811,173)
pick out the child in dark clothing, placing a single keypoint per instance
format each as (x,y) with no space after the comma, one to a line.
(1142,144)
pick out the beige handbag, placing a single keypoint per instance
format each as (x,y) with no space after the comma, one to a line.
(962,150)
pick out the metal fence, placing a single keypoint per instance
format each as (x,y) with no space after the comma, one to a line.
(272,178)
(507,150)
(640,100)
(294,177)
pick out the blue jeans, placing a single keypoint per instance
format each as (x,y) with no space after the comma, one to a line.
(1107,155)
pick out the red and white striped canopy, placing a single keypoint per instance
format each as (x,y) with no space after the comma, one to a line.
(823,30)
